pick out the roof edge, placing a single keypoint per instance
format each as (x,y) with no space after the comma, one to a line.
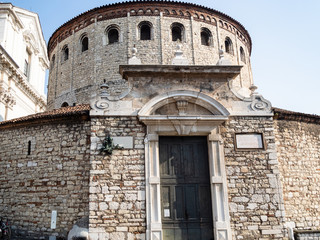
(49,116)
(282,114)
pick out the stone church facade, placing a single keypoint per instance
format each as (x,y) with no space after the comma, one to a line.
(167,137)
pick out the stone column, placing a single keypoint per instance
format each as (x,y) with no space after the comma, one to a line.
(219,194)
(153,203)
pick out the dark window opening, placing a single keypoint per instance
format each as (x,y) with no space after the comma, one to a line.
(65,104)
(205,37)
(29,147)
(176,33)
(242,55)
(84,44)
(53,59)
(26,68)
(65,53)
(113,36)
(228,46)
(145,32)
(27,63)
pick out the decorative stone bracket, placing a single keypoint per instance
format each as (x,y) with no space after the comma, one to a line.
(7,97)
(252,105)
(107,102)
(259,103)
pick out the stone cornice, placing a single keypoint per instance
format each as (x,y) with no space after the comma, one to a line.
(20,79)
(220,73)
(149,8)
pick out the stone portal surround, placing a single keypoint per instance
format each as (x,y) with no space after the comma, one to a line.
(180,125)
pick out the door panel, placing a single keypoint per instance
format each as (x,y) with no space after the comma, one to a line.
(191,207)
(185,188)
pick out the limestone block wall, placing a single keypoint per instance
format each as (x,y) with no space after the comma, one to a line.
(117,181)
(117,185)
(307,236)
(255,197)
(298,148)
(52,173)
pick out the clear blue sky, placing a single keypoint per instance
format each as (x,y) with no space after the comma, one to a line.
(285,35)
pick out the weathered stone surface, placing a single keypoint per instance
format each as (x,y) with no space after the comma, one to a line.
(298,148)
(55,176)
(251,191)
(307,235)
(122,200)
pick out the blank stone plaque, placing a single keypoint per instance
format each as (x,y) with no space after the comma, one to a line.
(125,142)
(249,141)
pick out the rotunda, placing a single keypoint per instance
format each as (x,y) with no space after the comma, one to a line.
(90,47)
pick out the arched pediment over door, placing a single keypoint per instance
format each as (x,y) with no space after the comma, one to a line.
(188,112)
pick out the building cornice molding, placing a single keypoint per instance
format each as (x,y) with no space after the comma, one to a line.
(42,48)
(14,12)
(10,9)
(16,75)
(221,73)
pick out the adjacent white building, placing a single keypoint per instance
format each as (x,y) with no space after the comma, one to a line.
(23,63)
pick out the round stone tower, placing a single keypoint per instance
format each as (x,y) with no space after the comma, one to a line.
(89,48)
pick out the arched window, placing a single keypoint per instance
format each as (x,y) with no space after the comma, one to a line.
(206,37)
(84,43)
(65,53)
(113,34)
(65,104)
(228,45)
(53,59)
(145,30)
(242,55)
(177,32)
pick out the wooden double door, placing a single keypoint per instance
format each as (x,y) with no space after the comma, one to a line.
(185,188)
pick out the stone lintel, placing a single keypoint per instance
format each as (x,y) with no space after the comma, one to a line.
(167,120)
(220,73)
